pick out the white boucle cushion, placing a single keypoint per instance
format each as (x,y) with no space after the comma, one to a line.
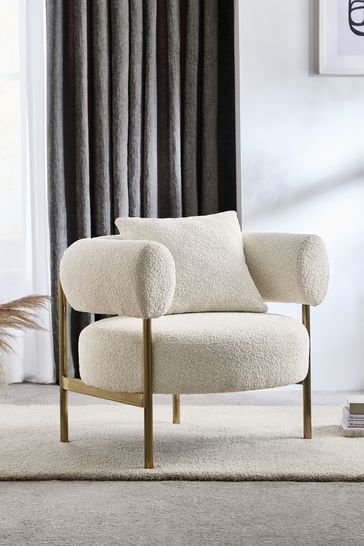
(196,353)
(288,267)
(211,273)
(107,275)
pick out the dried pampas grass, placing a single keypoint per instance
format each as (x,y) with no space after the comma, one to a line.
(20,314)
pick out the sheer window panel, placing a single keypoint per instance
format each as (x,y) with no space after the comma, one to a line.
(24,241)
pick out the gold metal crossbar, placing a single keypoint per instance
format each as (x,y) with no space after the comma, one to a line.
(77,385)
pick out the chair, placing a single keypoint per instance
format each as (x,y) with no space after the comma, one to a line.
(141,350)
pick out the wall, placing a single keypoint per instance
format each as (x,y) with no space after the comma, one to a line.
(302,151)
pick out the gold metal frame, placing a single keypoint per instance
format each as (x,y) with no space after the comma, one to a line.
(176,409)
(145,399)
(306,383)
(148,393)
(63,361)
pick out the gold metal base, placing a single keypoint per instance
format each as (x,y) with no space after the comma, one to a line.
(145,400)
(306,383)
(138,399)
(176,409)
(64,415)
(62,339)
(148,394)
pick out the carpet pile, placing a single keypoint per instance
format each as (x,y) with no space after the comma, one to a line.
(212,443)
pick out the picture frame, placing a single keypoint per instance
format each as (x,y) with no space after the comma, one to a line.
(341,37)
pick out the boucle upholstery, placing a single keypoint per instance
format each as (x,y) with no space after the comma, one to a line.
(196,353)
(107,275)
(211,273)
(288,268)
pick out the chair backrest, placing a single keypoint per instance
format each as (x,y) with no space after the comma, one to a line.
(211,273)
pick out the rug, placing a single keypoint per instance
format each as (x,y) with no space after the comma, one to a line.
(212,443)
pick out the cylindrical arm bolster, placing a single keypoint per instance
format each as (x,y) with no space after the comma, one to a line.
(288,268)
(115,277)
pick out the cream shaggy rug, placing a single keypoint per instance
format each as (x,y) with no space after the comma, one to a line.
(212,443)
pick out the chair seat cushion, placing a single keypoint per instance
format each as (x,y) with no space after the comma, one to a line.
(196,353)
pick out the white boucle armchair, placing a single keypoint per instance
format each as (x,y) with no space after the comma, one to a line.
(123,359)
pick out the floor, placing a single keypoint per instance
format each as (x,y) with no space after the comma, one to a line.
(180,513)
(27,393)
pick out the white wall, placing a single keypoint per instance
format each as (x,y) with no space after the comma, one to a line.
(302,139)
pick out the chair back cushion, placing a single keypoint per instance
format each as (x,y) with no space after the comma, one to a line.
(211,273)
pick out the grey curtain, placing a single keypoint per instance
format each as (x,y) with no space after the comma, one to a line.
(140,116)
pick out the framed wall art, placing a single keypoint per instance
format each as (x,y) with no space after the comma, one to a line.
(341,40)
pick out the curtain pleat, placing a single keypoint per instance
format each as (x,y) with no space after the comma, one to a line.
(209,172)
(190,87)
(119,18)
(56,186)
(163,111)
(174,99)
(140,116)
(150,173)
(135,107)
(101,202)
(81,180)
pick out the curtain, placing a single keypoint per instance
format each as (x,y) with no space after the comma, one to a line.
(24,240)
(140,116)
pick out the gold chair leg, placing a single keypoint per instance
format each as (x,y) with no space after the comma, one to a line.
(148,393)
(63,366)
(176,409)
(306,384)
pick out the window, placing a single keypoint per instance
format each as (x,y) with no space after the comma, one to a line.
(12,249)
(24,252)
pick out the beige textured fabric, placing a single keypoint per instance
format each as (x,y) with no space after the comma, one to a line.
(288,267)
(212,443)
(112,276)
(196,353)
(211,273)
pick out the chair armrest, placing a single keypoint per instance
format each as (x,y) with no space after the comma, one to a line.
(108,275)
(288,268)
